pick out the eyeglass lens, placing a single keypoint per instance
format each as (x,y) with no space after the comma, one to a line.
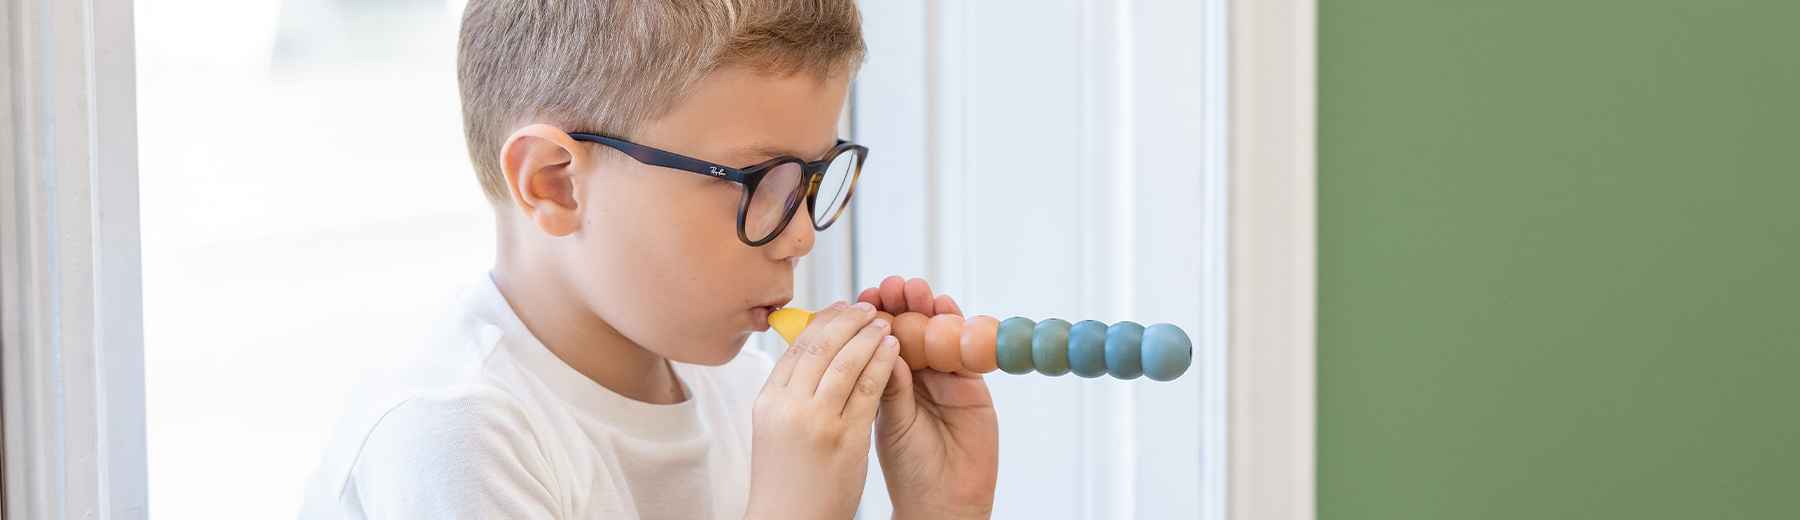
(834,188)
(781,190)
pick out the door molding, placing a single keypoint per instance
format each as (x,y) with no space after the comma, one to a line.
(1273,251)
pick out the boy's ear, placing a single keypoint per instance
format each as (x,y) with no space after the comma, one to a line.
(541,166)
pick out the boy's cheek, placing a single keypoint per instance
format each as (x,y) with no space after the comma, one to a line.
(684,326)
(675,270)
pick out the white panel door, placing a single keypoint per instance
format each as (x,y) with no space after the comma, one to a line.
(1061,159)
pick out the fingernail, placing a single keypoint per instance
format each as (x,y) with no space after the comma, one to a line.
(881,323)
(865,306)
(889,341)
(839,306)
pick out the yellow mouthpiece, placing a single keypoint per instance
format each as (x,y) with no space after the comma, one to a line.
(789,321)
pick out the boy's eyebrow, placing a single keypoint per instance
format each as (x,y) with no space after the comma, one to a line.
(769,151)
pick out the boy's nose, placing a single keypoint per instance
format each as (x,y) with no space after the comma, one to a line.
(796,240)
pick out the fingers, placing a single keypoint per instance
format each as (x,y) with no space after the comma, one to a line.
(945,305)
(870,386)
(897,406)
(918,296)
(784,367)
(893,294)
(901,295)
(847,367)
(817,348)
(873,297)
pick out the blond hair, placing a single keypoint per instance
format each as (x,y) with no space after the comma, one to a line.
(609,66)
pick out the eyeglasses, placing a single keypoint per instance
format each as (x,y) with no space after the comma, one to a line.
(772,190)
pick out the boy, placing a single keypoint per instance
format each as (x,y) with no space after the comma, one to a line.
(598,370)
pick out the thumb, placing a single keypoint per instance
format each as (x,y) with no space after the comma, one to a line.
(897,405)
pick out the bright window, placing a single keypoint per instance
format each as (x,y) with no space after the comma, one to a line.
(305,195)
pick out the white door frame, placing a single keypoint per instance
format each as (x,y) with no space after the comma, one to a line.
(1273,250)
(71,299)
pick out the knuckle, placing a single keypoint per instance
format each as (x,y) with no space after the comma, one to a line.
(812,347)
(797,348)
(842,366)
(866,386)
(891,391)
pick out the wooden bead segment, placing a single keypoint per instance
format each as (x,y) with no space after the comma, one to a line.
(943,343)
(909,328)
(1050,347)
(1167,352)
(1012,348)
(977,344)
(1089,349)
(1124,353)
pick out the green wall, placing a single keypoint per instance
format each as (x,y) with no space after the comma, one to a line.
(1559,259)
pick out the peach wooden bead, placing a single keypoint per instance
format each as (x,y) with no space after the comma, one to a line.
(943,342)
(909,328)
(977,344)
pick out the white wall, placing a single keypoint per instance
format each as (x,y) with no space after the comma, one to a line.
(1061,159)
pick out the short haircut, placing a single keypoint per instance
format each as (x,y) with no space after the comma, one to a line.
(610,66)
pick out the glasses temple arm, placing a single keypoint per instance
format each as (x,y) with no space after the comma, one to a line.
(655,157)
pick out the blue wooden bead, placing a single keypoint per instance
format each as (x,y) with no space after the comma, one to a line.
(1012,345)
(1124,357)
(1087,349)
(1167,352)
(1050,347)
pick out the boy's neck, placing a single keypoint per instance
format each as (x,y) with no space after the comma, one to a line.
(583,340)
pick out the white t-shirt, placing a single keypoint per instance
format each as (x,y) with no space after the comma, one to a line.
(472,417)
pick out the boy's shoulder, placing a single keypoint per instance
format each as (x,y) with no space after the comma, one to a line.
(471,382)
(429,379)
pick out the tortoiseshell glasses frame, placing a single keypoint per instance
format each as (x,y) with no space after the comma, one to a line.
(787,178)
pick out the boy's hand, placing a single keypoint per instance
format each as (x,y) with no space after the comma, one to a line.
(897,295)
(937,435)
(811,423)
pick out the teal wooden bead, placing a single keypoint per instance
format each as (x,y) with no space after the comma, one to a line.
(1012,345)
(1124,356)
(1167,352)
(1087,349)
(1050,347)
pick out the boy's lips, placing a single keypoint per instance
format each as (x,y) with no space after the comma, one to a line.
(760,314)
